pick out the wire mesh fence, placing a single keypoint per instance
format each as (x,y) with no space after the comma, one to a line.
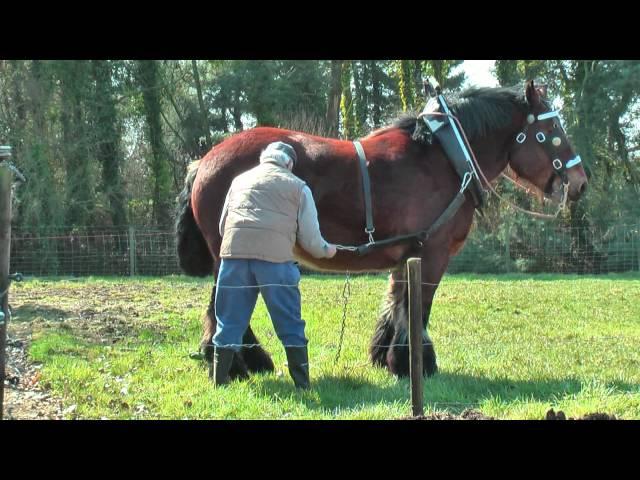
(550,248)
(81,252)
(148,251)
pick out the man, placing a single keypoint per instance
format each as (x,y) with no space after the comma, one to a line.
(266,211)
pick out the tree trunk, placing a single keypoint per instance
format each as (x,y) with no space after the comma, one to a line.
(418,84)
(149,80)
(203,109)
(346,103)
(333,103)
(40,200)
(376,94)
(360,99)
(404,85)
(107,141)
(79,198)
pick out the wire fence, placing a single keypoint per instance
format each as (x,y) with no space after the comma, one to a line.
(548,248)
(147,251)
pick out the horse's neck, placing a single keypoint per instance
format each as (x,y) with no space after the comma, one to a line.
(492,154)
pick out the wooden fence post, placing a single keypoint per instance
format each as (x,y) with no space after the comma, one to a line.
(5,243)
(414,276)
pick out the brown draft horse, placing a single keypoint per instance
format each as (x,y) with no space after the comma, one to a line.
(412,182)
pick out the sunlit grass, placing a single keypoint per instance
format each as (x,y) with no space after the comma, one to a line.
(509,346)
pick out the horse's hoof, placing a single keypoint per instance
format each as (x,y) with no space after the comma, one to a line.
(207,352)
(429,363)
(263,363)
(196,356)
(430,370)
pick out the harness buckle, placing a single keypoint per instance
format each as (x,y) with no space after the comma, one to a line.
(540,137)
(465,181)
(557,164)
(370,233)
(521,137)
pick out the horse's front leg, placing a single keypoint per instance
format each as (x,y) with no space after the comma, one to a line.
(390,345)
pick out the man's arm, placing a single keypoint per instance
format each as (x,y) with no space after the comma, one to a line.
(223,216)
(309,235)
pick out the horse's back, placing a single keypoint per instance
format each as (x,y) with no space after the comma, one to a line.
(231,157)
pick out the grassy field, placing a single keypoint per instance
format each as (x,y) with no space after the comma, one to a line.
(510,347)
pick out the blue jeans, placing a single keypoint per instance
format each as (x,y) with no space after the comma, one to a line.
(234,306)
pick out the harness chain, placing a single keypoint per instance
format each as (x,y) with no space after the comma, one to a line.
(346,293)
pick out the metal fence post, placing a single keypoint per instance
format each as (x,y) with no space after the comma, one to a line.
(414,275)
(5,251)
(132,251)
(638,245)
(507,248)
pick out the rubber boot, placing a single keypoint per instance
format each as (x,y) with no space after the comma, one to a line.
(219,368)
(298,360)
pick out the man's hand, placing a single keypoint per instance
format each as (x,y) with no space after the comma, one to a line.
(331,250)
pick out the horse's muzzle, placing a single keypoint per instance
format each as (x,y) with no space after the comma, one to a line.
(577,188)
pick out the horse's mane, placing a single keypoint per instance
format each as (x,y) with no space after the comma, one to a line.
(480,111)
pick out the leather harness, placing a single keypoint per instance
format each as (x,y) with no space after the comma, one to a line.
(458,153)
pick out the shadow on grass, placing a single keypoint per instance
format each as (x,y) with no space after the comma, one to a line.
(79,334)
(27,312)
(452,392)
(542,277)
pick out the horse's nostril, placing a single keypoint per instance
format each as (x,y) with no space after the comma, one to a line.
(582,188)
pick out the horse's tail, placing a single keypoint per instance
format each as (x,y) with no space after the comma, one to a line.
(194,256)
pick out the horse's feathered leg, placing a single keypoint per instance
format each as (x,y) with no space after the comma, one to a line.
(395,306)
(239,367)
(390,344)
(209,323)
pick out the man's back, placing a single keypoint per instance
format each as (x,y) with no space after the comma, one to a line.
(262,214)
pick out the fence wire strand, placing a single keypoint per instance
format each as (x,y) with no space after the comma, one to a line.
(550,248)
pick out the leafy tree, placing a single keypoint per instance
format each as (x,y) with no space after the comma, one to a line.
(149,80)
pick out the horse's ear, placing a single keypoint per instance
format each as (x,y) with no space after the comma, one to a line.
(532,94)
(542,90)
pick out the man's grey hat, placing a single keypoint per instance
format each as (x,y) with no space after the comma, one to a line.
(276,149)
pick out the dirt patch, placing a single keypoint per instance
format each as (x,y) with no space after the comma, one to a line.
(24,397)
(560,415)
(465,415)
(476,415)
(103,315)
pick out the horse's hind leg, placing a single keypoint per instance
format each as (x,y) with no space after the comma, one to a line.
(249,359)
(256,358)
(209,328)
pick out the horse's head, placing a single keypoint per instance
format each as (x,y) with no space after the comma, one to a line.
(542,154)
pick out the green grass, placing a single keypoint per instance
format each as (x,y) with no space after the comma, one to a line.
(510,346)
